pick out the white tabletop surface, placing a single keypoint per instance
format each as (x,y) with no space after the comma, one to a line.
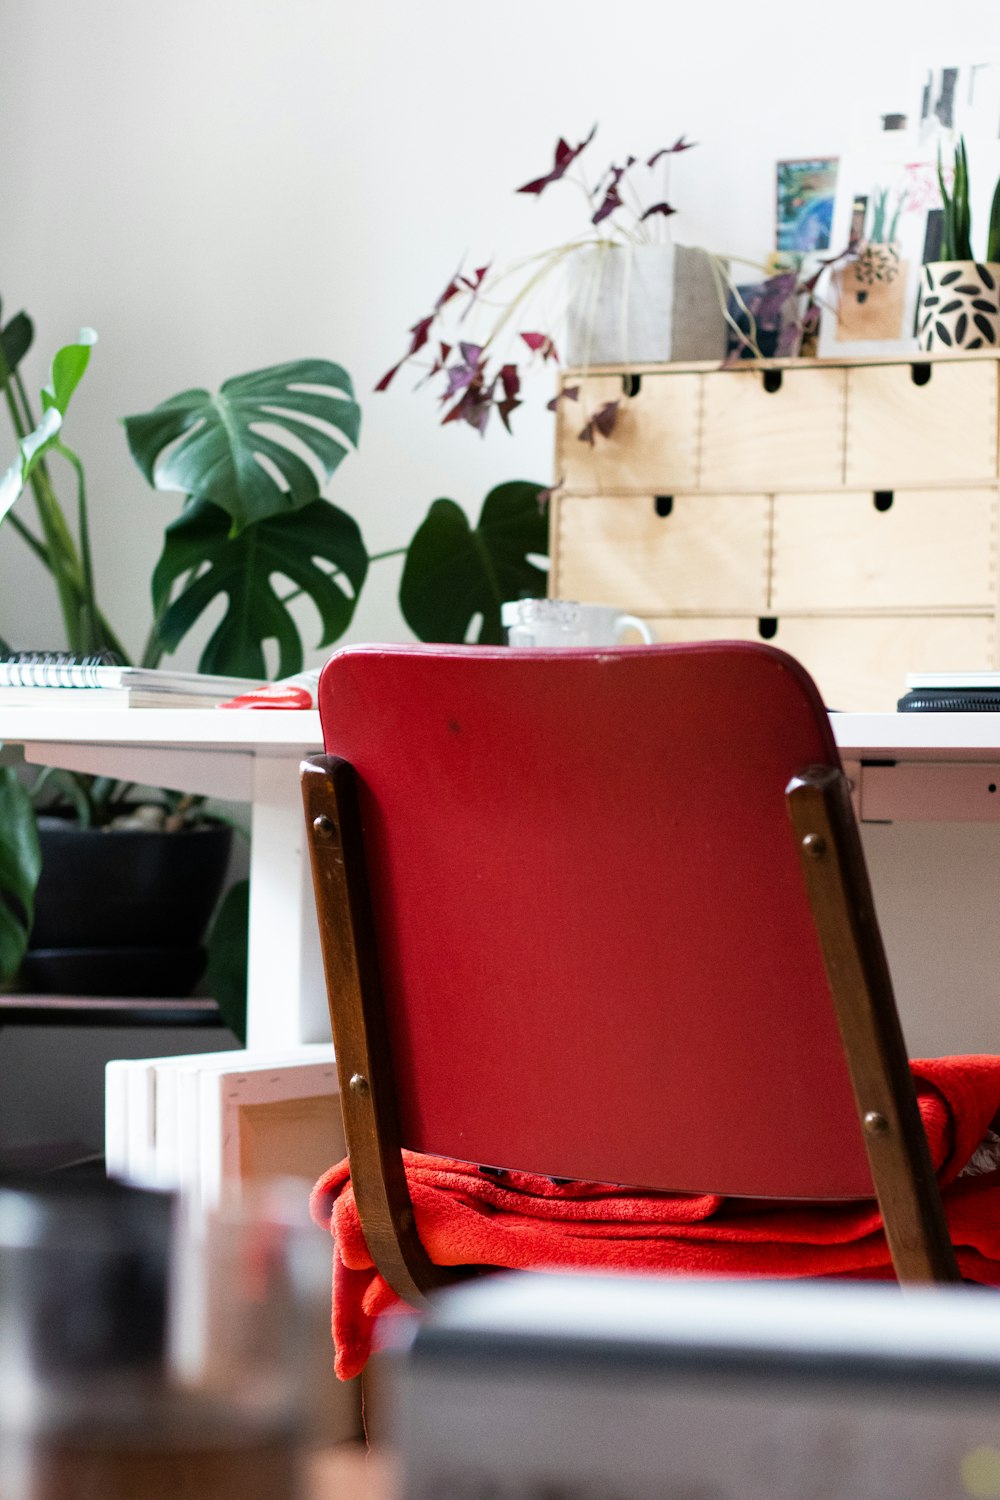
(917,736)
(276,731)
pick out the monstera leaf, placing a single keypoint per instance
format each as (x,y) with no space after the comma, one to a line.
(15,340)
(20,863)
(454,572)
(244,569)
(262,447)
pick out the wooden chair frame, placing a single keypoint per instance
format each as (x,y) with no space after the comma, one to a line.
(839,893)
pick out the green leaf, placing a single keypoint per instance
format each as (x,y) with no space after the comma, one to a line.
(68,368)
(993,237)
(20,864)
(296,419)
(319,549)
(15,340)
(454,572)
(31,450)
(226,971)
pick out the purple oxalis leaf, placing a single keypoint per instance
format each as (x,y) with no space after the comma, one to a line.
(511,381)
(657,208)
(540,343)
(679,145)
(420,333)
(472,407)
(568,393)
(505,408)
(611,201)
(565,156)
(603,421)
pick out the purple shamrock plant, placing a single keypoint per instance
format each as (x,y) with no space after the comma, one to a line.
(476,379)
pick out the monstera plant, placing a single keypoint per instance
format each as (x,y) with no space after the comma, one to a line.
(254,530)
(251,461)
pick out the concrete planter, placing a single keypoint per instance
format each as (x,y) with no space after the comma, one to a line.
(644,304)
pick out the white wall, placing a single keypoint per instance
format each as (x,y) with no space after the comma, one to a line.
(216,185)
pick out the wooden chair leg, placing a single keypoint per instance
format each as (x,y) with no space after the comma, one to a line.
(364,1067)
(840,895)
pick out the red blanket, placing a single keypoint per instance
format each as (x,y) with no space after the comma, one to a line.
(520,1221)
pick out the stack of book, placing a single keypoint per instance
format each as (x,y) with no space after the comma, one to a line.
(57,679)
(206,1122)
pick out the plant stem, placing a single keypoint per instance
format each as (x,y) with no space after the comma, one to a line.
(88,603)
(28,538)
(60,553)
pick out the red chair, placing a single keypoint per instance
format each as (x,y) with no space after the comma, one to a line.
(551,883)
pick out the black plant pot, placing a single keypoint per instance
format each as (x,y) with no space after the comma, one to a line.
(123,911)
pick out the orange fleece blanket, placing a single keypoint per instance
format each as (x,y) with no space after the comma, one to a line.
(520,1221)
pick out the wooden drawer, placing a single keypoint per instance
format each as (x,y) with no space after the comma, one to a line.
(790,437)
(916,549)
(676,629)
(860,662)
(900,432)
(654,444)
(651,554)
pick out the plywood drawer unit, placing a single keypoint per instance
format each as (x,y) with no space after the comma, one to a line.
(758,433)
(848,512)
(893,549)
(641,551)
(939,431)
(654,443)
(860,662)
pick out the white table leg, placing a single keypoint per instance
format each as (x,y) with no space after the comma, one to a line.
(286,995)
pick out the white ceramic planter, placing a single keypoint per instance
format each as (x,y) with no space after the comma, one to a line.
(959,305)
(642,304)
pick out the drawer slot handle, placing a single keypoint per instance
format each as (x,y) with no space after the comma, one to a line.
(772,381)
(882,500)
(631,384)
(663,505)
(767,627)
(920,373)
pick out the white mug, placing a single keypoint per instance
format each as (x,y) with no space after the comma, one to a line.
(564,622)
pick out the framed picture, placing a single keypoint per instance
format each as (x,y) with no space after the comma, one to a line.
(805,199)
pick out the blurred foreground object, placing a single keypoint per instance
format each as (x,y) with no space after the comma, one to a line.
(597,1387)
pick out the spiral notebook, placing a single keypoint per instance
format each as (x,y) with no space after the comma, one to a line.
(35,679)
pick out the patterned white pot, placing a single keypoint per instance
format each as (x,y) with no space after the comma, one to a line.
(959,305)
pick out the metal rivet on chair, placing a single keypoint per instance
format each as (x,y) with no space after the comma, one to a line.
(814,845)
(323,826)
(876,1124)
(358,1083)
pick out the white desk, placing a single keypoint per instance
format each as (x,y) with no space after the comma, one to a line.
(249,755)
(907,768)
(922,768)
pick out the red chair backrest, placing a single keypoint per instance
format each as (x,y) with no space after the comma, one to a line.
(596,950)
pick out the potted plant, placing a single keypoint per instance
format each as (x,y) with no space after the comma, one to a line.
(257,536)
(959,303)
(634,296)
(870,288)
(228,541)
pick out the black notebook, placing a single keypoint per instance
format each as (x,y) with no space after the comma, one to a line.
(951,693)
